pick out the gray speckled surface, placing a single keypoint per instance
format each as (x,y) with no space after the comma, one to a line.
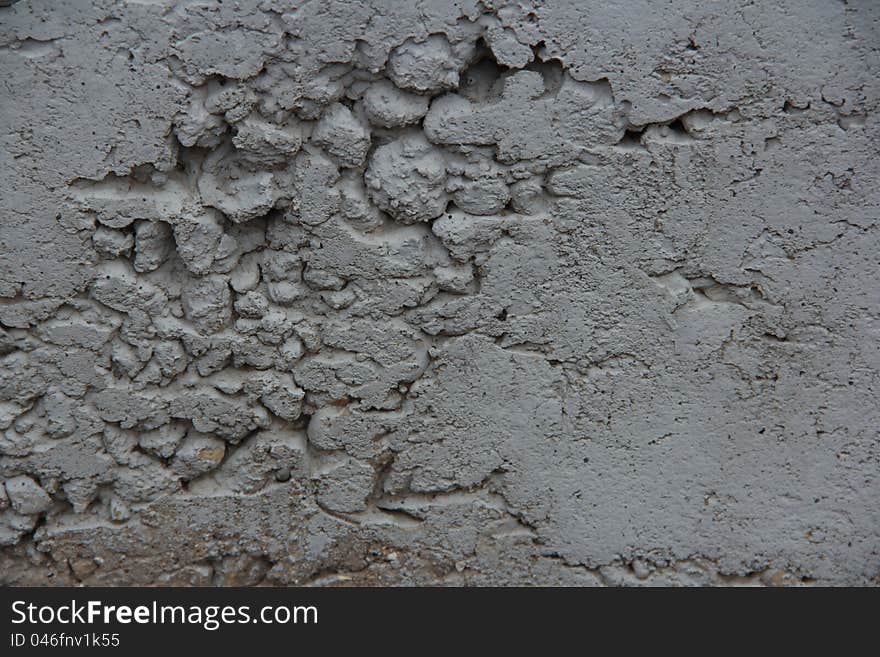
(439,292)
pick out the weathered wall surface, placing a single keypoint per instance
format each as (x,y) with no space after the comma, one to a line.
(439,292)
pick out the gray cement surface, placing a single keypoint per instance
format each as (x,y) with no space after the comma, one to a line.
(468,293)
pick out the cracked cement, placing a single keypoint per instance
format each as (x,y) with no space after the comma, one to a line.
(478,293)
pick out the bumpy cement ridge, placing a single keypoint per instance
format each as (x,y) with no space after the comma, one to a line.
(465,293)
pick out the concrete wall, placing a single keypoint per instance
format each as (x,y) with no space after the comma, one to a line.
(431,292)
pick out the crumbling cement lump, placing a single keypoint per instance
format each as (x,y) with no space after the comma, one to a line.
(475,294)
(388,106)
(342,136)
(429,65)
(26,496)
(406,178)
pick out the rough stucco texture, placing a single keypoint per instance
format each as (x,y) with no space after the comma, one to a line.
(439,292)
